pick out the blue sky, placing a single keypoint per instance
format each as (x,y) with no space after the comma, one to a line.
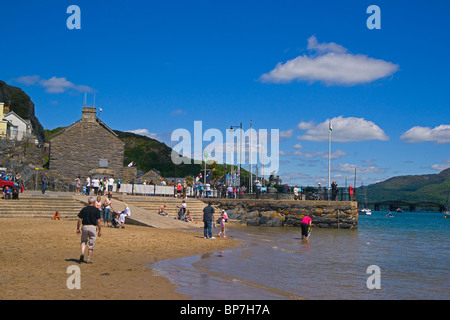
(156,66)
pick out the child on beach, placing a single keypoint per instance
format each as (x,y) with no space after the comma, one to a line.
(223,218)
(56,216)
(188,217)
(162,210)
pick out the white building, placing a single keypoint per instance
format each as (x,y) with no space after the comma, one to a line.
(21,128)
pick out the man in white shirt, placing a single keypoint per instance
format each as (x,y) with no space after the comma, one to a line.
(208,189)
(110,184)
(95,185)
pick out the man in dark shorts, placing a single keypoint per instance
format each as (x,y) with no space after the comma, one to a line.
(208,218)
(90,218)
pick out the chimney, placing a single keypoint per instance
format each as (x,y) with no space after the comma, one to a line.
(89,114)
(1,110)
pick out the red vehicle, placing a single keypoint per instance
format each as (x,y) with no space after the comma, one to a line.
(11,185)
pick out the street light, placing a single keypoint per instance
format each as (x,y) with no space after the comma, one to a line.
(240,150)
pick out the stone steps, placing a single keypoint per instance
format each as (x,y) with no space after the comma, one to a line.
(40,206)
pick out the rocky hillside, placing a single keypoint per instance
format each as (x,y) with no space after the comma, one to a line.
(412,188)
(21,104)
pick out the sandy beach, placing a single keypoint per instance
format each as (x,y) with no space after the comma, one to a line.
(35,254)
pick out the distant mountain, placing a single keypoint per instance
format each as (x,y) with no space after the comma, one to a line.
(21,104)
(411,188)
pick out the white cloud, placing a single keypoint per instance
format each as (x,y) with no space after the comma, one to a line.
(332,65)
(310,155)
(28,80)
(439,135)
(52,85)
(303,125)
(313,44)
(350,168)
(286,134)
(442,166)
(146,133)
(344,130)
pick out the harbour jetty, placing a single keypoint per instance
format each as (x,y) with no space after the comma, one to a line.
(289,213)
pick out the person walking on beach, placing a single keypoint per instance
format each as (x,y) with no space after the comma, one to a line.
(89,218)
(305,224)
(208,218)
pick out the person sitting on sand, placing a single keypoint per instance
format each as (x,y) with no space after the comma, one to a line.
(162,210)
(56,216)
(122,215)
(188,217)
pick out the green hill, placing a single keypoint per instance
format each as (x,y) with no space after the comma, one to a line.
(412,188)
(150,154)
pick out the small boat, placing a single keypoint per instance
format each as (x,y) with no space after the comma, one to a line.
(399,210)
(365,211)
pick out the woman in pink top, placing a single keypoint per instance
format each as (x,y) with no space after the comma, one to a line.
(305,224)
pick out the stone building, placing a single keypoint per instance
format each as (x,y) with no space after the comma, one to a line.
(87,147)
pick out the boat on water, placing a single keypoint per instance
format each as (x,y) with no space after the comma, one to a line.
(399,210)
(365,211)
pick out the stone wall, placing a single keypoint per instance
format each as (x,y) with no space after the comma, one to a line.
(78,149)
(277,213)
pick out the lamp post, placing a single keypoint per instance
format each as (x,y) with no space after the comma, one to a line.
(240,150)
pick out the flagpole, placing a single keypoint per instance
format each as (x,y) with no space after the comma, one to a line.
(250,158)
(204,177)
(329,156)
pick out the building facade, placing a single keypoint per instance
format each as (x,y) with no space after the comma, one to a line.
(87,147)
(21,128)
(5,125)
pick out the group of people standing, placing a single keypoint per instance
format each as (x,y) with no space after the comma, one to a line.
(97,186)
(208,221)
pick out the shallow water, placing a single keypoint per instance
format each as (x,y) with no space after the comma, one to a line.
(410,249)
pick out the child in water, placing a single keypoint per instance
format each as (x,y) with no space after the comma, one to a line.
(223,218)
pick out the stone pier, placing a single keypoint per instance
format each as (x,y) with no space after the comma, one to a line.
(277,213)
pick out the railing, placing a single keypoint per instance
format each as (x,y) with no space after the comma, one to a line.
(171,191)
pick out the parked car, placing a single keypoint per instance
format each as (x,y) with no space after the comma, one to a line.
(11,184)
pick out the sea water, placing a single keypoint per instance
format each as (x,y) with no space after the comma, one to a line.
(411,250)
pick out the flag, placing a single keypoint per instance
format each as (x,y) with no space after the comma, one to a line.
(205,154)
(330,126)
(198,177)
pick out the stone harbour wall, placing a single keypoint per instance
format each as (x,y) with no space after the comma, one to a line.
(289,213)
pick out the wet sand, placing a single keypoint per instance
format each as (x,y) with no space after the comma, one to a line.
(35,254)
